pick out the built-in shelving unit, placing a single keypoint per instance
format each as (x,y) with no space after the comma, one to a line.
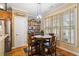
(33,26)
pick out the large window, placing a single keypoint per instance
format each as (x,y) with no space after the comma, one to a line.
(48,25)
(54,25)
(69,21)
(58,34)
(73,24)
(66,25)
(63,25)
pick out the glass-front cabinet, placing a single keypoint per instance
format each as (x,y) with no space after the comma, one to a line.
(5,32)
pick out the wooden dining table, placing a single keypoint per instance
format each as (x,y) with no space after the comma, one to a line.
(41,38)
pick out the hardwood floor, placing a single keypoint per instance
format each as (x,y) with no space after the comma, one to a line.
(18,52)
(61,52)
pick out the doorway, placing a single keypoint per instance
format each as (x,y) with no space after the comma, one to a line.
(20,31)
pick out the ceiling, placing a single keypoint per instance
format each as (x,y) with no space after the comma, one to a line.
(31,8)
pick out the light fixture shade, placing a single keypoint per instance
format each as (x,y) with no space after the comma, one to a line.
(2,6)
(39,17)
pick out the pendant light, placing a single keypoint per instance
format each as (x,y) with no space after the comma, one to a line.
(38,11)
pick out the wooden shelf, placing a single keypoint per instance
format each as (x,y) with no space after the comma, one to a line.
(33,25)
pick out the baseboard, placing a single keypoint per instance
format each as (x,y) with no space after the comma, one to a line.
(73,52)
(13,47)
(18,46)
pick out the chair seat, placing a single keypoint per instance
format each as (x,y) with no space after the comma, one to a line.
(47,45)
(47,40)
(35,44)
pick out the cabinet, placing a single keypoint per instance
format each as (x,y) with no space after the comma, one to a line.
(5,32)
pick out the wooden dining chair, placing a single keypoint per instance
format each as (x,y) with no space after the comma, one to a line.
(53,43)
(53,50)
(33,45)
(50,46)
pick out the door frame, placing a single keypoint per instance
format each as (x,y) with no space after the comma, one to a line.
(8,36)
(14,15)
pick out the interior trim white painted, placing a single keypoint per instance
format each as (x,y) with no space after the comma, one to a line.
(73,52)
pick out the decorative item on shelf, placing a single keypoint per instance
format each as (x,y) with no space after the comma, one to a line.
(42,32)
(34,26)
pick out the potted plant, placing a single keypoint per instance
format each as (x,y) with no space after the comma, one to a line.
(42,32)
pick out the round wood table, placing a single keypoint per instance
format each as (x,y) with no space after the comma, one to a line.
(41,38)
